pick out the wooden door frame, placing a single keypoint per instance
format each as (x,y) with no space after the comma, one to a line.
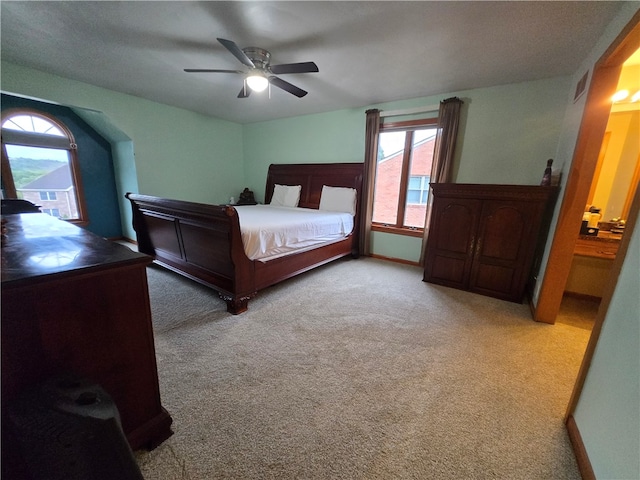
(606,74)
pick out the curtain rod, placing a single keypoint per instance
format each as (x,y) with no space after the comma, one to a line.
(410,111)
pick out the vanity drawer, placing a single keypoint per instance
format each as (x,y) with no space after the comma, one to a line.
(596,248)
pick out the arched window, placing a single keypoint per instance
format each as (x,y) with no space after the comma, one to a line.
(39,164)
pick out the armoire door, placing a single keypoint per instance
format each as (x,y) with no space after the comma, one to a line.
(451,242)
(503,251)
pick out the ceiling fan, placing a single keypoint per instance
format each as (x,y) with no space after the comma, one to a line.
(261,73)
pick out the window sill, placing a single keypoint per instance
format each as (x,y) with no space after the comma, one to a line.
(77,222)
(409,232)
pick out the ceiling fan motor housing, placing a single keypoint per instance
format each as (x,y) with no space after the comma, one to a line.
(259,56)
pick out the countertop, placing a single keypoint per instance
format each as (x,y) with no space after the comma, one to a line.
(603,236)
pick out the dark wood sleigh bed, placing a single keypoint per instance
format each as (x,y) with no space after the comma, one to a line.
(204,243)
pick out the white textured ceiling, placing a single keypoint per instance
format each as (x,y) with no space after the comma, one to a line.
(367,52)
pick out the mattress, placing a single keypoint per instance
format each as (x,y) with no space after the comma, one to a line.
(269,232)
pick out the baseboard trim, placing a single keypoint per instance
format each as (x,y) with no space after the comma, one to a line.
(122,239)
(127,239)
(532,307)
(396,260)
(584,465)
(582,296)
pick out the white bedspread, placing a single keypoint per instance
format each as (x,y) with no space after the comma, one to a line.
(269,232)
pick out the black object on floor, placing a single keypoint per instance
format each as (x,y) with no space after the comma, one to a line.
(69,428)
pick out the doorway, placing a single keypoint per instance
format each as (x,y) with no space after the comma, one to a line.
(612,189)
(605,78)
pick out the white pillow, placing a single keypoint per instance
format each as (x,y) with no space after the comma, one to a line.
(338,199)
(286,195)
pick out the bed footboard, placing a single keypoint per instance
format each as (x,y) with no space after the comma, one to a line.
(201,242)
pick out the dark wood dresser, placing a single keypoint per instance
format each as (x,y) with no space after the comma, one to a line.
(485,238)
(73,302)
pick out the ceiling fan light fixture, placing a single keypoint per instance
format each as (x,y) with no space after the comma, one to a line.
(257,82)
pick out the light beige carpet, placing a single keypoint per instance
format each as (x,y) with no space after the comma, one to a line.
(359,370)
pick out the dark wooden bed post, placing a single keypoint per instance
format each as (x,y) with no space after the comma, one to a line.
(243,274)
(142,234)
(236,304)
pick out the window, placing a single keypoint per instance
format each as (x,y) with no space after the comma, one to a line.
(418,190)
(48,196)
(401,188)
(54,212)
(39,164)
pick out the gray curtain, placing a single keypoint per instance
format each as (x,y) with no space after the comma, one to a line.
(370,161)
(443,153)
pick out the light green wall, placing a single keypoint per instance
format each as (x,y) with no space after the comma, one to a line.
(396,246)
(510,131)
(507,133)
(126,181)
(178,153)
(322,138)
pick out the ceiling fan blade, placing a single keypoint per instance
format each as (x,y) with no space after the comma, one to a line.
(286,86)
(207,70)
(237,52)
(245,92)
(302,67)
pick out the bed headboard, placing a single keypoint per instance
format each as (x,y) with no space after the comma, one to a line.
(312,176)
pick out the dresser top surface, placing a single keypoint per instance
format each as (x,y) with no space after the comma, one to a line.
(38,246)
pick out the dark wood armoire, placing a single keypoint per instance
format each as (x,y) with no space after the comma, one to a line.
(487,239)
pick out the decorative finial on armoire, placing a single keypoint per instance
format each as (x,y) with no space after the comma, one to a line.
(546,178)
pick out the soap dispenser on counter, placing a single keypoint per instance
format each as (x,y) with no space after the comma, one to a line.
(590,221)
